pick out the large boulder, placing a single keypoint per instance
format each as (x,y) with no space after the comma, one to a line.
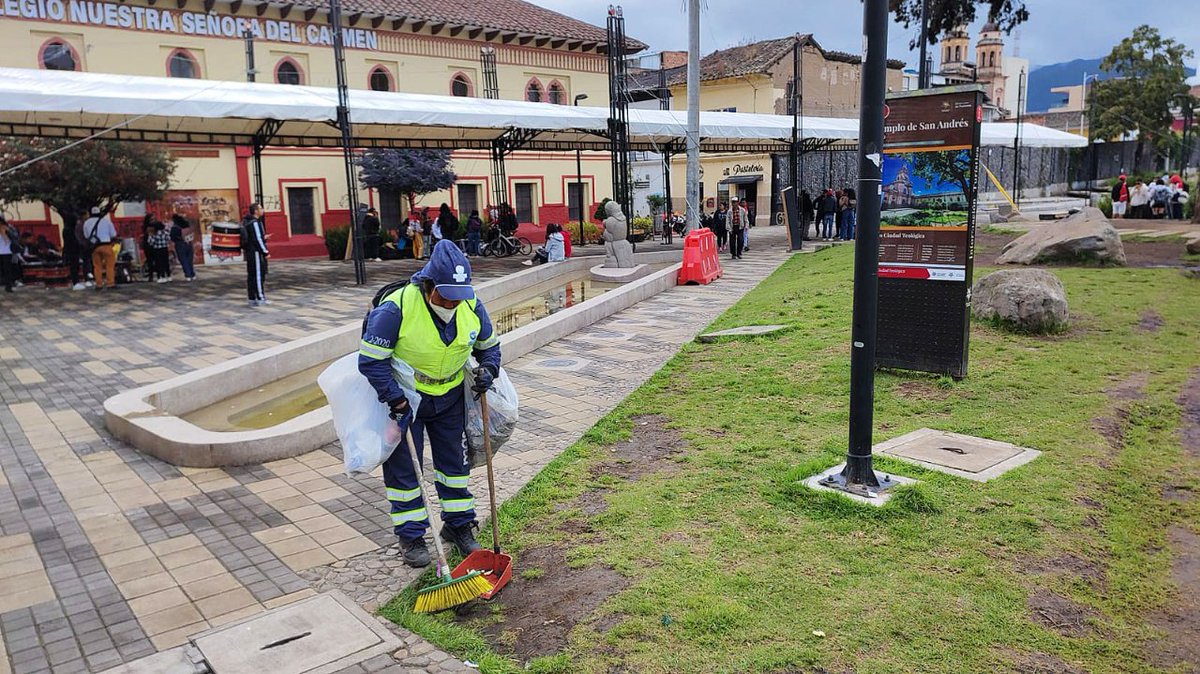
(1193,246)
(1083,236)
(1022,300)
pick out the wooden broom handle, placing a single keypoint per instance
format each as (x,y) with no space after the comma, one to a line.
(487,452)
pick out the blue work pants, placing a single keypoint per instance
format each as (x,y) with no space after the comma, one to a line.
(441,418)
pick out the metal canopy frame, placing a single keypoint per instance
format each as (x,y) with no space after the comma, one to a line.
(600,144)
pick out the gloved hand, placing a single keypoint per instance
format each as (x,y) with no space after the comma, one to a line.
(483,379)
(401,411)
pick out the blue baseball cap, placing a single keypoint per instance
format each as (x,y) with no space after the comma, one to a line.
(450,272)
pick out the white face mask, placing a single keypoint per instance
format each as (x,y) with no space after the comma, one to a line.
(443,313)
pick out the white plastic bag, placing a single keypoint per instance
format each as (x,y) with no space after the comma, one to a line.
(367,433)
(502,410)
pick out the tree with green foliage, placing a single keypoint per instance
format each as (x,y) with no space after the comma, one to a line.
(947,15)
(656,202)
(98,173)
(941,167)
(1148,77)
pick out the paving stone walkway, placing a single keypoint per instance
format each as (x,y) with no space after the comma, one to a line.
(108,555)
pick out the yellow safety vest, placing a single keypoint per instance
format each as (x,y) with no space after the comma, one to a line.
(438,366)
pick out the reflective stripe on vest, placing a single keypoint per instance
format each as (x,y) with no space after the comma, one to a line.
(439,367)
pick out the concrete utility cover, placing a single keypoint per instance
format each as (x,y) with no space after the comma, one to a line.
(744,331)
(974,458)
(323,634)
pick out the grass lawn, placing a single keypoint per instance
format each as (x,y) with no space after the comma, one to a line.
(720,562)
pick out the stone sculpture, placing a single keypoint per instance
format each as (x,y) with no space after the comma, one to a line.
(618,252)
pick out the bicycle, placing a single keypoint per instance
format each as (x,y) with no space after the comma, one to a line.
(506,245)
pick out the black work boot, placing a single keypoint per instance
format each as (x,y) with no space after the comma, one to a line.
(414,552)
(462,537)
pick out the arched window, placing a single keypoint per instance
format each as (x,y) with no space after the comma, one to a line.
(958,53)
(992,59)
(58,55)
(946,58)
(460,85)
(533,91)
(182,64)
(381,79)
(558,95)
(287,72)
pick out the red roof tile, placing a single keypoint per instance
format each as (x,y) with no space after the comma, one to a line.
(506,15)
(756,58)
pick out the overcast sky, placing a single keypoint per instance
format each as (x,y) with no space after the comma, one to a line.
(1057,30)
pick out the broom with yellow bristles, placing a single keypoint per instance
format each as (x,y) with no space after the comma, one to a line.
(451,591)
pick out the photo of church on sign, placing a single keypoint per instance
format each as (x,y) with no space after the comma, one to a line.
(926,189)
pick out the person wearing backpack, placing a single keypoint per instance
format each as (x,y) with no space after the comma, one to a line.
(434,323)
(101,235)
(1160,195)
(254,249)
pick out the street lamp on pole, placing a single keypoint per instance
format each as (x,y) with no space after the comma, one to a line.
(579,178)
(1084,108)
(1184,101)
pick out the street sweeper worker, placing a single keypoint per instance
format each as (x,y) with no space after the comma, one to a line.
(434,324)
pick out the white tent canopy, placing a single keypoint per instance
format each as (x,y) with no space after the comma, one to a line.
(70,104)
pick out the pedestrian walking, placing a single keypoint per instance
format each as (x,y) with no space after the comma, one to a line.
(1139,200)
(827,212)
(159,252)
(71,253)
(101,235)
(474,233)
(446,225)
(254,249)
(416,232)
(434,324)
(1120,197)
(181,239)
(85,252)
(720,225)
(737,228)
(372,239)
(850,215)
(1178,200)
(8,240)
(806,213)
(1160,196)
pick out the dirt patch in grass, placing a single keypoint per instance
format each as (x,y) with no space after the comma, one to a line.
(1178,493)
(921,390)
(1150,321)
(1122,394)
(1059,613)
(1189,401)
(1067,567)
(539,613)
(1042,663)
(535,614)
(646,451)
(1181,620)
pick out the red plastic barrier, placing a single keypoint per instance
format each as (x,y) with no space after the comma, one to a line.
(700,263)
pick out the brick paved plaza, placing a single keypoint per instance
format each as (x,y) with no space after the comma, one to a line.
(108,555)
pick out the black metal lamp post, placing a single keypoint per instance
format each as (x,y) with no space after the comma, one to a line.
(579,178)
(1185,108)
(858,474)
